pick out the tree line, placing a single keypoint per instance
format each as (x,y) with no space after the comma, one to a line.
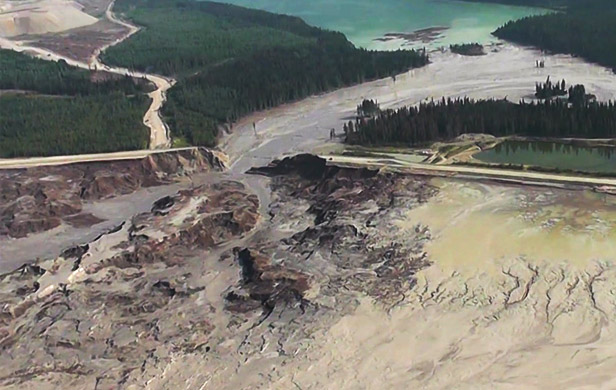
(23,72)
(576,94)
(446,119)
(67,110)
(368,108)
(554,4)
(231,61)
(48,126)
(585,29)
(549,90)
(467,49)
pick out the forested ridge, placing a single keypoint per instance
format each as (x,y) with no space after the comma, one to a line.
(49,126)
(180,37)
(584,28)
(231,61)
(66,110)
(446,119)
(556,4)
(21,72)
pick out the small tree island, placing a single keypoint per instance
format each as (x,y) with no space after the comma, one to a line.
(468,49)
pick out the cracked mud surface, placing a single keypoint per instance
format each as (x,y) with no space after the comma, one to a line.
(348,278)
(44,210)
(328,278)
(204,279)
(491,314)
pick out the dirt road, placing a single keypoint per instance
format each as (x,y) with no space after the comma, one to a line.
(516,176)
(159,132)
(29,162)
(519,293)
(506,71)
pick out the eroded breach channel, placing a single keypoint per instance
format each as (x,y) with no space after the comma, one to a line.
(202,274)
(351,278)
(329,277)
(44,210)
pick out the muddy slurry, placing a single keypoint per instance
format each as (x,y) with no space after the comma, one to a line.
(307,274)
(519,294)
(202,291)
(44,210)
(340,278)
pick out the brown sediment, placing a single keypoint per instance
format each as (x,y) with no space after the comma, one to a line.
(81,43)
(353,278)
(387,304)
(39,199)
(426,35)
(202,274)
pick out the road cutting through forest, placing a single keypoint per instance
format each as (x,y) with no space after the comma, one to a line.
(159,131)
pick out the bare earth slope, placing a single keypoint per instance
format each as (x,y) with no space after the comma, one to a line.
(202,275)
(45,210)
(352,279)
(41,16)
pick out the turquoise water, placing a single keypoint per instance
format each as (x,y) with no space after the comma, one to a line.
(552,155)
(362,21)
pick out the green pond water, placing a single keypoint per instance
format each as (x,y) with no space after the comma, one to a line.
(552,155)
(363,21)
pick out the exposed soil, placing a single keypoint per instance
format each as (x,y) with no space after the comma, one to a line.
(346,278)
(95,8)
(39,199)
(123,303)
(426,35)
(40,17)
(203,274)
(80,43)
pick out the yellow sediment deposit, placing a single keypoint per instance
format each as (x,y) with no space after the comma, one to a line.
(475,224)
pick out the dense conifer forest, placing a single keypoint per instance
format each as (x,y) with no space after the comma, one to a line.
(47,126)
(585,29)
(64,111)
(22,72)
(554,4)
(447,119)
(231,61)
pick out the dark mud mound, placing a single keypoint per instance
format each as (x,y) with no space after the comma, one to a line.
(39,199)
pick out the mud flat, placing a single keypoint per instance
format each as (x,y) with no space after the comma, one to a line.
(204,282)
(352,278)
(45,210)
(426,35)
(506,71)
(519,295)
(307,275)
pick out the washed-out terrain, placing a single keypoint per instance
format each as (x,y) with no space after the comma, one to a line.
(182,270)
